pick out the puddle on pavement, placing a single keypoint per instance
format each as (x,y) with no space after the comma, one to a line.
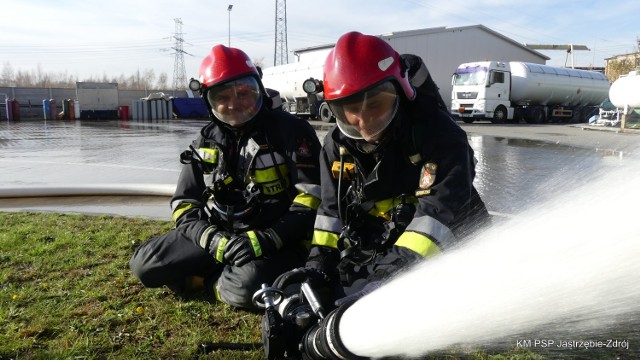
(511,173)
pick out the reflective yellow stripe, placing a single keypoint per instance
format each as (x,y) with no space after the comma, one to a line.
(204,238)
(208,155)
(383,207)
(418,243)
(181,209)
(270,174)
(270,181)
(216,292)
(307,200)
(255,243)
(274,187)
(325,238)
(220,250)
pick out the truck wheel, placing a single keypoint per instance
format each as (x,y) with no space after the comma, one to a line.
(535,116)
(325,113)
(499,115)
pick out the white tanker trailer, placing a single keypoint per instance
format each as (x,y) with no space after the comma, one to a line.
(288,79)
(625,92)
(505,91)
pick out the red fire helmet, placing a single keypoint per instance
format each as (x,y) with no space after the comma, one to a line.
(224,64)
(358,62)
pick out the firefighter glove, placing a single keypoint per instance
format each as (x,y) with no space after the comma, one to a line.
(241,249)
(214,241)
(300,275)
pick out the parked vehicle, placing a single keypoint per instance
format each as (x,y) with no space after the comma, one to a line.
(625,92)
(288,80)
(508,91)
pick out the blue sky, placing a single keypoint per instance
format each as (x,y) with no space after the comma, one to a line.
(116,37)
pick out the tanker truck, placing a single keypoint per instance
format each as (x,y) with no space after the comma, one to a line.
(288,80)
(624,95)
(625,92)
(514,91)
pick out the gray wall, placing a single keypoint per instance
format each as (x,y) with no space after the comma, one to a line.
(30,99)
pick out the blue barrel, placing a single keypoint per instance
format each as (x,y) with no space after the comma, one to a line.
(154,110)
(46,109)
(134,109)
(145,110)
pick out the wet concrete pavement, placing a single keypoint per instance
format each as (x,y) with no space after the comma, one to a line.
(115,159)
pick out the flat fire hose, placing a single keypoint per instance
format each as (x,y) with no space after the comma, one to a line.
(206,348)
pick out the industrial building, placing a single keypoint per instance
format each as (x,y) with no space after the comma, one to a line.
(443,49)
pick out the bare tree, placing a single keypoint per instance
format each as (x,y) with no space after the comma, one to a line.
(148,78)
(259,62)
(7,77)
(140,80)
(23,79)
(163,81)
(123,82)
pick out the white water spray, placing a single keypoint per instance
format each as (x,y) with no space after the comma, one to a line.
(572,266)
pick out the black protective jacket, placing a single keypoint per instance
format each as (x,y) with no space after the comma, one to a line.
(263,175)
(410,198)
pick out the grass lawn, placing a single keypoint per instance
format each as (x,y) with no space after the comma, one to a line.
(66,292)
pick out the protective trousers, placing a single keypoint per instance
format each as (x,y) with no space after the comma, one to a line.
(171,258)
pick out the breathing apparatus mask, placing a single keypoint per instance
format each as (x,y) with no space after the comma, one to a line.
(365,115)
(235,102)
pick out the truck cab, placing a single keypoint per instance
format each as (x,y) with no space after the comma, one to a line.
(481,91)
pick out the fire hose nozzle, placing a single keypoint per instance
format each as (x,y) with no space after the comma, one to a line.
(267,297)
(323,340)
(272,324)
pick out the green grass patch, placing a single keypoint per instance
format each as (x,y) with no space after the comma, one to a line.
(66,292)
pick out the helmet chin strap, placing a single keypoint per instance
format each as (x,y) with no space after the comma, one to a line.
(366,147)
(372,147)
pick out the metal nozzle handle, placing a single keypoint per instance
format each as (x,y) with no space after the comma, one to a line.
(267,297)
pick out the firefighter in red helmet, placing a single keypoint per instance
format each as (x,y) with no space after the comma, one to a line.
(396,172)
(247,193)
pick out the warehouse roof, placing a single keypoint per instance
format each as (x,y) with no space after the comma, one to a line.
(434,30)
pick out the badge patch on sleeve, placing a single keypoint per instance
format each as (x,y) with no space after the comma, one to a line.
(304,148)
(427,176)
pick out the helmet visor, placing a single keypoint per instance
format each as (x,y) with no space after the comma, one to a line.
(365,115)
(235,102)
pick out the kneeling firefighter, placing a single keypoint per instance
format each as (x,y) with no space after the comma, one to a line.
(247,194)
(397,187)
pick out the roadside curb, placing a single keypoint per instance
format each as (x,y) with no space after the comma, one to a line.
(607,128)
